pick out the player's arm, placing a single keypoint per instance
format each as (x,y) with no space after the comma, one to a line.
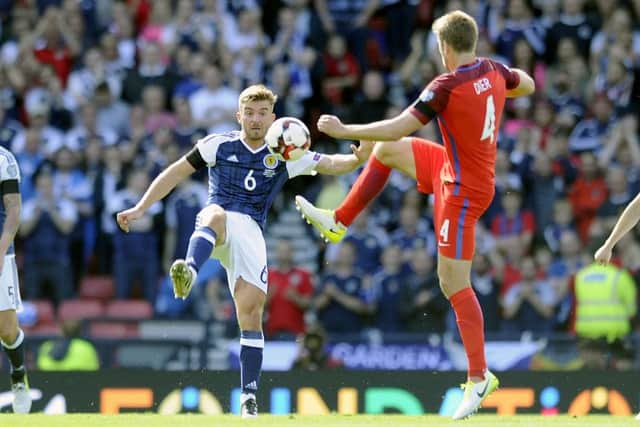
(526,85)
(159,188)
(12,205)
(339,164)
(392,129)
(628,219)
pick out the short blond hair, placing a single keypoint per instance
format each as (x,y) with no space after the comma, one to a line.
(458,30)
(257,93)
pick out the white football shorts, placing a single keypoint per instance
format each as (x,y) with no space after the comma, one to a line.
(244,252)
(9,285)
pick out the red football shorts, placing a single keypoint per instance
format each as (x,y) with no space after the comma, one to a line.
(455,214)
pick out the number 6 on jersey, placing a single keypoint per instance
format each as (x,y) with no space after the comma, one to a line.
(489,127)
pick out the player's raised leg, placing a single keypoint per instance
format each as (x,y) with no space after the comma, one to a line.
(332,225)
(249,301)
(456,241)
(210,229)
(13,344)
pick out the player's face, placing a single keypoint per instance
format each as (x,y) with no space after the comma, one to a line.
(255,117)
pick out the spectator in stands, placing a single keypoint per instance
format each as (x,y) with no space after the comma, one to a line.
(186,133)
(46,226)
(619,196)
(562,221)
(587,193)
(150,71)
(290,293)
(573,23)
(30,160)
(386,285)
(590,134)
(605,304)
(111,113)
(341,299)
(135,254)
(373,103)
(528,305)
(9,129)
(88,127)
(421,304)
(514,226)
(544,190)
(341,70)
(518,24)
(413,233)
(68,353)
(214,106)
(313,355)
(487,289)
(369,241)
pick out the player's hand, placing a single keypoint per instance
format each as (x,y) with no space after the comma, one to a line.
(124,218)
(603,255)
(331,125)
(363,151)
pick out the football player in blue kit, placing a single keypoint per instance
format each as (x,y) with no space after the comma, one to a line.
(244,178)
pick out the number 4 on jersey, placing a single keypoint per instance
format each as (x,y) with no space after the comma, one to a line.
(489,128)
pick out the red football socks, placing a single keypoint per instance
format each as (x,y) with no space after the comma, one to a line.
(471,326)
(368,185)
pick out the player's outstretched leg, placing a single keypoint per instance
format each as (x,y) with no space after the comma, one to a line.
(332,225)
(210,226)
(19,382)
(322,220)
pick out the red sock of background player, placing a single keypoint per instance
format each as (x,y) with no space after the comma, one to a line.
(471,326)
(368,185)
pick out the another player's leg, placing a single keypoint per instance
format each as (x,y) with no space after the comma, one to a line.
(249,301)
(13,344)
(210,228)
(455,251)
(332,225)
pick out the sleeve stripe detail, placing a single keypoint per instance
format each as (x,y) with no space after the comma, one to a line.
(424,118)
(10,186)
(195,159)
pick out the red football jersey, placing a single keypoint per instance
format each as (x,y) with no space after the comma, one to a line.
(468,105)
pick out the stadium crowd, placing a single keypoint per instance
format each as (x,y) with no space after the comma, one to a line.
(97,97)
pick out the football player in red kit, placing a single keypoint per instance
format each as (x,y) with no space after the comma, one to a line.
(467,102)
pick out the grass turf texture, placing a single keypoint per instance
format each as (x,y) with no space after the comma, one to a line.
(189,420)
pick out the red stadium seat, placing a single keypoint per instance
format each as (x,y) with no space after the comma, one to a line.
(46,312)
(45,329)
(113,330)
(129,309)
(77,309)
(97,287)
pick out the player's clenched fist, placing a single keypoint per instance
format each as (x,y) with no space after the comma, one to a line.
(603,255)
(331,125)
(124,218)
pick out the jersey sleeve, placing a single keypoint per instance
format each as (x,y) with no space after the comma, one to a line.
(431,101)
(9,174)
(305,165)
(511,78)
(208,148)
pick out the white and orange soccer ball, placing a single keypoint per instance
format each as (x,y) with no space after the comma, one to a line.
(288,138)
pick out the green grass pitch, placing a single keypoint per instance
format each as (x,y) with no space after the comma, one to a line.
(154,420)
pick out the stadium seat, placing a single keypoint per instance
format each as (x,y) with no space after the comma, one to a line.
(45,312)
(48,329)
(113,330)
(129,309)
(77,309)
(97,287)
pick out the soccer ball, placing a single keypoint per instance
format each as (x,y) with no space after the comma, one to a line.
(288,138)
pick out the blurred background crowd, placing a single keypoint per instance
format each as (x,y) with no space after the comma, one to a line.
(97,97)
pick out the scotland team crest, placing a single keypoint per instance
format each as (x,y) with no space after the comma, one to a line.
(270,161)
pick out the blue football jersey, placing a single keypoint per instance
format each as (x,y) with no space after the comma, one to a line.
(8,171)
(245,180)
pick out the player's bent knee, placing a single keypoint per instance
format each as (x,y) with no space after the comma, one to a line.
(213,216)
